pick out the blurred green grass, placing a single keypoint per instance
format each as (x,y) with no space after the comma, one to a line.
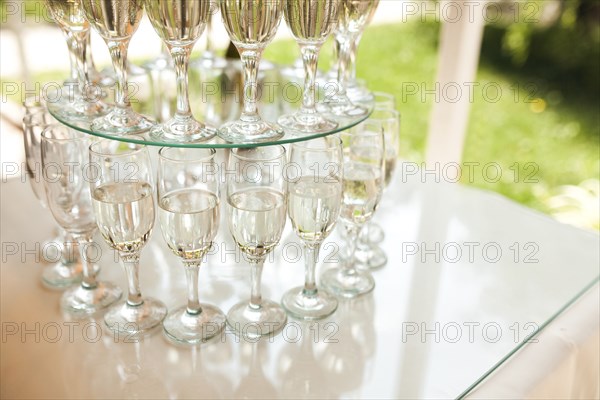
(548,133)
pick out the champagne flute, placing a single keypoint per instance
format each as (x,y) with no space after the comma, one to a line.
(116,21)
(188,197)
(64,164)
(353,17)
(251,25)
(67,271)
(372,233)
(314,204)
(256,215)
(123,199)
(84,103)
(311,22)
(357,90)
(364,169)
(179,23)
(368,253)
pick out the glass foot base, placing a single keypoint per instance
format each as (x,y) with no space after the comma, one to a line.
(82,301)
(121,122)
(308,306)
(372,257)
(61,276)
(184,327)
(308,124)
(255,132)
(347,283)
(79,109)
(342,107)
(358,92)
(187,131)
(250,322)
(132,320)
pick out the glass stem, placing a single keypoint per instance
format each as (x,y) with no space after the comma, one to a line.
(67,256)
(256,266)
(191,273)
(250,62)
(343,63)
(118,54)
(81,44)
(89,275)
(91,66)
(336,55)
(311,257)
(363,237)
(208,53)
(352,231)
(72,84)
(72,55)
(131,262)
(353,53)
(310,57)
(181,56)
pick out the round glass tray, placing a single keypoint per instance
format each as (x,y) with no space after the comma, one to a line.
(215,100)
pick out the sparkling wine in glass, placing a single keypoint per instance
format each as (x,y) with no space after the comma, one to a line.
(368,253)
(353,18)
(116,21)
(356,88)
(314,201)
(364,171)
(311,22)
(251,25)
(68,196)
(179,23)
(86,101)
(188,199)
(256,217)
(123,199)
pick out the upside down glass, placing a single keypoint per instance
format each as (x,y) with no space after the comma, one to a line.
(311,22)
(188,197)
(116,22)
(256,214)
(64,163)
(364,169)
(251,26)
(179,23)
(314,200)
(123,199)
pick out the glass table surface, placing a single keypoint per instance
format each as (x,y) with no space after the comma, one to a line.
(470,276)
(215,98)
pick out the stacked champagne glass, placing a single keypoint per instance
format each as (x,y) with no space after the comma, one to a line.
(316,181)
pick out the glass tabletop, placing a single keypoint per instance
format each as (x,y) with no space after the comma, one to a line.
(215,94)
(436,324)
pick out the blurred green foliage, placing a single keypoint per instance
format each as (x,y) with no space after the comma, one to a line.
(543,130)
(561,46)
